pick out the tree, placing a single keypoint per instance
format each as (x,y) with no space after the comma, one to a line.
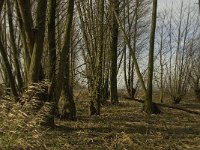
(35,66)
(14,46)
(66,105)
(178,68)
(113,54)
(136,26)
(1,5)
(52,47)
(92,27)
(7,64)
(148,106)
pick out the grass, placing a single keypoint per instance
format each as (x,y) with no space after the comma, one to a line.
(119,127)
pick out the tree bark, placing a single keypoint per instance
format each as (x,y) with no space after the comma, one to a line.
(25,11)
(1,5)
(63,79)
(52,48)
(113,54)
(7,64)
(14,46)
(52,38)
(8,70)
(26,53)
(35,66)
(148,107)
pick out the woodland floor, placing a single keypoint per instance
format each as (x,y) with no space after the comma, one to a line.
(126,127)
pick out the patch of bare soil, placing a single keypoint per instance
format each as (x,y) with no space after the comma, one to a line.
(126,127)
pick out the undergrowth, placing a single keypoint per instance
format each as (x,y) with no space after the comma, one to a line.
(119,127)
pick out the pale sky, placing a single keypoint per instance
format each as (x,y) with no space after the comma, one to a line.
(162,4)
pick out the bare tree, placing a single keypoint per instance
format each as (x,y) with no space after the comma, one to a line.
(66,105)
(113,54)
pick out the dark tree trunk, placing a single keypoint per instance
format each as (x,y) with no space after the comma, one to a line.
(64,92)
(35,70)
(52,48)
(14,46)
(113,54)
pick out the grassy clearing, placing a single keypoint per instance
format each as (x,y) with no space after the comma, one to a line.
(119,127)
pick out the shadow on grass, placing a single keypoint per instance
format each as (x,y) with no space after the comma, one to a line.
(131,125)
(191,106)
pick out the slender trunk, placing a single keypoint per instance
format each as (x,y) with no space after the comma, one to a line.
(52,47)
(148,106)
(14,46)
(8,70)
(1,5)
(97,93)
(7,64)
(51,38)
(25,11)
(26,54)
(114,45)
(161,62)
(139,74)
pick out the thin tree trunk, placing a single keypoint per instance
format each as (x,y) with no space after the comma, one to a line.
(51,38)
(148,107)
(1,5)
(7,64)
(113,53)
(139,74)
(14,46)
(8,70)
(52,47)
(25,11)
(26,53)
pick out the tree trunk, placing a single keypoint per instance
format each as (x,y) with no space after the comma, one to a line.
(35,69)
(63,80)
(51,38)
(14,46)
(26,53)
(1,5)
(148,107)
(7,64)
(25,11)
(52,48)
(8,70)
(113,54)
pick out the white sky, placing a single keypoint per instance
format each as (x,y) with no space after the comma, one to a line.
(162,4)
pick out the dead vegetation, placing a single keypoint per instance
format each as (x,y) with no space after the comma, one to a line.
(21,122)
(126,127)
(119,127)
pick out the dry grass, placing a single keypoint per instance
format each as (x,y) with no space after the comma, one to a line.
(15,131)
(23,125)
(119,127)
(126,127)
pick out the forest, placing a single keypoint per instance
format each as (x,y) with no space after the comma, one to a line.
(99,74)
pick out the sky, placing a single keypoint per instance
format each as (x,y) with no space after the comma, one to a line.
(165,5)
(162,4)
